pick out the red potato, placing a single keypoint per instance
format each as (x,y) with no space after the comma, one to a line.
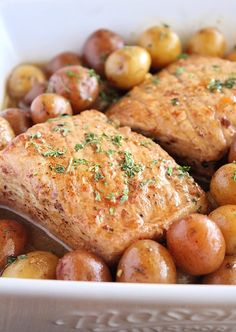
(13,239)
(197,244)
(78,84)
(82,265)
(49,105)
(224,275)
(232,152)
(146,261)
(99,46)
(37,89)
(61,60)
(20,120)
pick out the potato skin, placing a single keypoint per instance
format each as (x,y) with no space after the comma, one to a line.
(146,261)
(20,120)
(224,275)
(49,105)
(162,43)
(22,79)
(207,41)
(223,185)
(61,60)
(232,151)
(77,84)
(225,218)
(13,239)
(33,265)
(37,89)
(82,265)
(6,133)
(99,45)
(127,67)
(197,244)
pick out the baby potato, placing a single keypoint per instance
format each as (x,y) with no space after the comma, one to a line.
(49,105)
(207,41)
(99,46)
(163,45)
(19,119)
(232,151)
(22,79)
(33,265)
(197,244)
(127,67)
(6,133)
(37,89)
(224,275)
(13,238)
(82,265)
(225,218)
(231,56)
(146,261)
(78,84)
(62,60)
(223,185)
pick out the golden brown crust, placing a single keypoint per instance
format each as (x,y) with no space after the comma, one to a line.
(101,197)
(182,109)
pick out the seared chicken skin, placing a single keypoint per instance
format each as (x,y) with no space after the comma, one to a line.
(189,108)
(95,186)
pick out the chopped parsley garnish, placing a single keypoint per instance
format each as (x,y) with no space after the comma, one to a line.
(110,152)
(179,71)
(153,162)
(125,195)
(97,196)
(129,166)
(70,73)
(183,56)
(62,129)
(97,174)
(111,197)
(147,182)
(53,152)
(59,169)
(234,176)
(217,85)
(169,171)
(111,211)
(146,142)
(183,170)
(35,135)
(156,80)
(175,101)
(110,97)
(78,147)
(117,140)
(214,85)
(79,161)
(92,73)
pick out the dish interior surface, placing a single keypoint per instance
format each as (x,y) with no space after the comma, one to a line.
(33,31)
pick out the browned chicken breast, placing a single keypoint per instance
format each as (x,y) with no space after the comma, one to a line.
(95,186)
(189,108)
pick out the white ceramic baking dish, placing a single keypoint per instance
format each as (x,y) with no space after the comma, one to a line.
(35,30)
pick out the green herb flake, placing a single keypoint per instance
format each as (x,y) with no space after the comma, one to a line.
(230,82)
(183,170)
(179,71)
(111,197)
(110,152)
(234,176)
(111,211)
(92,73)
(59,169)
(146,142)
(215,85)
(169,171)
(78,147)
(97,196)
(117,140)
(11,259)
(20,257)
(64,131)
(175,101)
(129,166)
(35,135)
(125,195)
(153,162)
(183,56)
(70,73)
(147,182)
(53,152)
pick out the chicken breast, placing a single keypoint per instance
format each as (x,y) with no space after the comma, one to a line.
(189,108)
(94,186)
